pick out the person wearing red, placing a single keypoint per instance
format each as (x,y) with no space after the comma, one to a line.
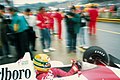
(59,19)
(43,25)
(93,13)
(51,20)
(45,72)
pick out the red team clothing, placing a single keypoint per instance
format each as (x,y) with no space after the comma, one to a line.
(44,26)
(93,13)
(59,19)
(54,72)
(51,20)
(44,20)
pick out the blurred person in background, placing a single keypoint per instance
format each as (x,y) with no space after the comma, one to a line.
(59,19)
(43,25)
(51,19)
(83,30)
(73,26)
(20,27)
(4,47)
(31,21)
(93,14)
(113,9)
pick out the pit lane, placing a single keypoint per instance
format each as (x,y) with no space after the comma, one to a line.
(107,37)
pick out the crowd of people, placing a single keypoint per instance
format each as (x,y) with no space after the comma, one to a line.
(22,27)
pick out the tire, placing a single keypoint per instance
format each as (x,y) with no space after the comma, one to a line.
(94,53)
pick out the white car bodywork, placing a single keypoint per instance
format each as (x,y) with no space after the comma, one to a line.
(23,69)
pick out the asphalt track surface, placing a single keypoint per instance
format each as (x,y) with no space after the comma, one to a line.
(107,37)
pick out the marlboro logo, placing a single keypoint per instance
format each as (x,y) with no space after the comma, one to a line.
(23,69)
(7,74)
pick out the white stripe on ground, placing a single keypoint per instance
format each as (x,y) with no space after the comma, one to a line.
(109,31)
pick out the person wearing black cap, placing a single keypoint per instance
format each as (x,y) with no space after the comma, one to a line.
(4,47)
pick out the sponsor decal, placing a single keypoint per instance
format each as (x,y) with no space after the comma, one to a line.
(23,69)
(7,74)
(99,52)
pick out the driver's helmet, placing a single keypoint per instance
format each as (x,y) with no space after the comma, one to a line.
(41,62)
